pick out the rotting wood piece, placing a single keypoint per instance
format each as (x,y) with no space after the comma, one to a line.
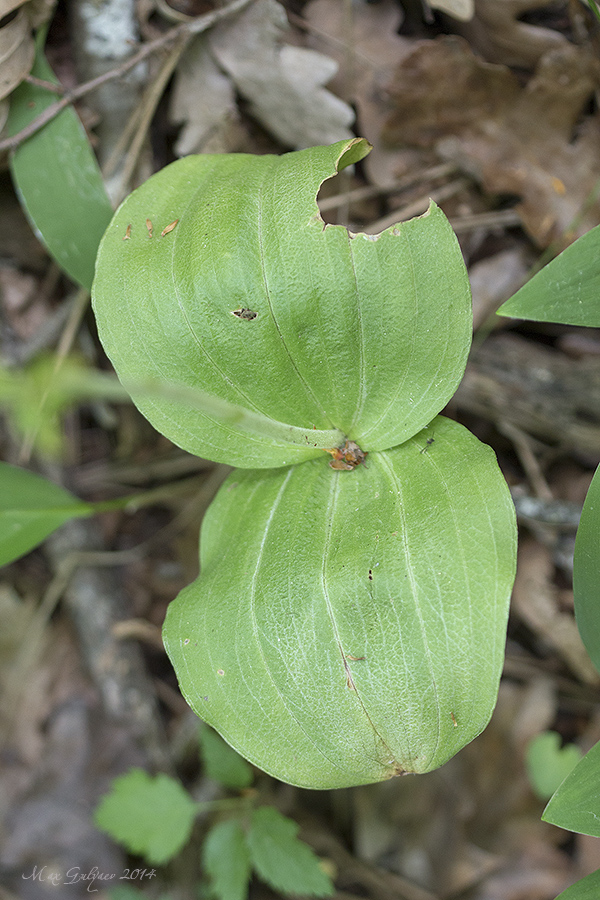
(540,390)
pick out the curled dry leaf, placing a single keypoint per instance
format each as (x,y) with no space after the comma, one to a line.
(16,52)
(514,140)
(284,84)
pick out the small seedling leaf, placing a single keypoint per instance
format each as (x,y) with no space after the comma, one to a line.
(58,179)
(151,815)
(575,806)
(548,764)
(284,862)
(222,762)
(31,508)
(347,634)
(566,290)
(227,861)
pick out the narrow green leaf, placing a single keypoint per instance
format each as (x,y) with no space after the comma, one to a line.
(284,862)
(586,889)
(576,804)
(566,290)
(227,861)
(218,273)
(58,179)
(586,572)
(222,762)
(31,508)
(340,632)
(548,763)
(151,816)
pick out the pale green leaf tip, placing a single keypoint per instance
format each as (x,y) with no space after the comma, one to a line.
(352,152)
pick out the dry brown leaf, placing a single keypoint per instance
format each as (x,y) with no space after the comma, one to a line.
(496,32)
(284,84)
(16,52)
(203,100)
(514,140)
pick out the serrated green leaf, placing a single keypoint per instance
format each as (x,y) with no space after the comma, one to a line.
(227,861)
(286,863)
(576,805)
(586,572)
(222,762)
(586,889)
(348,626)
(151,815)
(31,508)
(566,290)
(58,179)
(549,763)
(251,298)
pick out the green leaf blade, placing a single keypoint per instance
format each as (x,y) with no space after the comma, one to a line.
(58,179)
(566,290)
(227,861)
(151,816)
(587,888)
(349,635)
(586,582)
(284,862)
(575,805)
(364,334)
(31,508)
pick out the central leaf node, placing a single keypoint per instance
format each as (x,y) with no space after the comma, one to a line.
(347,457)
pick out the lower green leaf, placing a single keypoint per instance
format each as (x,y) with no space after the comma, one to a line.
(575,805)
(222,763)
(350,626)
(586,889)
(152,816)
(227,861)
(286,863)
(31,508)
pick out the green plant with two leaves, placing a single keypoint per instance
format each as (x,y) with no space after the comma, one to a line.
(348,623)
(567,291)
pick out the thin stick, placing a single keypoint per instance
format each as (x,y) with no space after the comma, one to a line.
(202,23)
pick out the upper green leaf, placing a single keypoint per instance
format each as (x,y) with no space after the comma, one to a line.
(58,179)
(31,508)
(586,583)
(286,863)
(566,290)
(348,626)
(227,861)
(218,273)
(575,805)
(152,816)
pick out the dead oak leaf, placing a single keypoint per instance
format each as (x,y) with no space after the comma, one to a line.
(512,139)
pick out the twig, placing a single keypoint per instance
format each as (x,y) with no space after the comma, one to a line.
(417,206)
(202,23)
(370,192)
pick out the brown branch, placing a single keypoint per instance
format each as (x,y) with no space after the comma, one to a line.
(180,32)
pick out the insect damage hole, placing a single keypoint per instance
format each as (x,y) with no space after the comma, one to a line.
(246,314)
